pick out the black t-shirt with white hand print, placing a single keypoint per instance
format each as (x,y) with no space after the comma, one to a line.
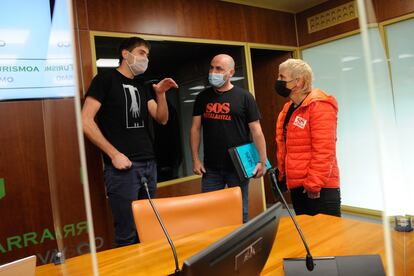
(123,116)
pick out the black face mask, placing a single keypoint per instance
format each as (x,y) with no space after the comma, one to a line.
(281,89)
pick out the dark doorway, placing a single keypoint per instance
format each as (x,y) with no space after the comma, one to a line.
(265,64)
(188,64)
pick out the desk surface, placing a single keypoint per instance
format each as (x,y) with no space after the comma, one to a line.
(325,235)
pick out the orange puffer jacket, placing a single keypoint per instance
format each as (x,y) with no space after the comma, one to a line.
(308,158)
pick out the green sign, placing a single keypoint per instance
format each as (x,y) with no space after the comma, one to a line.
(2,188)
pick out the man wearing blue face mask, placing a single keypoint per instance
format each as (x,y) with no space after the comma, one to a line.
(122,106)
(228,116)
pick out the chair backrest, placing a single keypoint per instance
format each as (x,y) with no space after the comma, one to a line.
(22,267)
(188,214)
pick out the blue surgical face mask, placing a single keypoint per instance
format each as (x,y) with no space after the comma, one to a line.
(217,80)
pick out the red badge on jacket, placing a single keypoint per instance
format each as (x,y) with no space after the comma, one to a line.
(300,122)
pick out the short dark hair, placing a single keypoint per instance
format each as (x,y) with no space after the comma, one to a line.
(130,44)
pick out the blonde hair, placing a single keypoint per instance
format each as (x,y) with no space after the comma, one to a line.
(299,69)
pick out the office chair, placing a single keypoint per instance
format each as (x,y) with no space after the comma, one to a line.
(188,214)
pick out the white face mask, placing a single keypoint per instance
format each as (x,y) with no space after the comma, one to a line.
(139,64)
(216,79)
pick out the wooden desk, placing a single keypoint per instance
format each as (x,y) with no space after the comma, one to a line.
(326,236)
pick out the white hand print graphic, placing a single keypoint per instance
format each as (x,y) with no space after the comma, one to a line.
(133,107)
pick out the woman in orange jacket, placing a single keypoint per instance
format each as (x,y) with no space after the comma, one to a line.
(306,142)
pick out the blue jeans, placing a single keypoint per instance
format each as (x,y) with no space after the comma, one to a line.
(123,187)
(217,179)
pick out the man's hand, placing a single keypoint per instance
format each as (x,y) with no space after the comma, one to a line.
(312,195)
(259,170)
(121,162)
(164,85)
(198,167)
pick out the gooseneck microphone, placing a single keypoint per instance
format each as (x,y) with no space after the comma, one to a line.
(164,229)
(277,193)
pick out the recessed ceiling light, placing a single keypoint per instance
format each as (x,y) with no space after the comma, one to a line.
(236,78)
(198,87)
(107,62)
(349,58)
(189,101)
(402,56)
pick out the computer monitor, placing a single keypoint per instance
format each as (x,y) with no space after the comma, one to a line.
(242,252)
(25,266)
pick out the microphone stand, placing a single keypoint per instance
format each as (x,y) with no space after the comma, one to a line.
(309,259)
(164,229)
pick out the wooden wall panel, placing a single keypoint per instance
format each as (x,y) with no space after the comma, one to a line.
(256,204)
(184,188)
(26,207)
(63,163)
(305,38)
(80,14)
(271,27)
(265,65)
(85,61)
(101,212)
(64,167)
(208,19)
(40,166)
(131,16)
(377,11)
(386,9)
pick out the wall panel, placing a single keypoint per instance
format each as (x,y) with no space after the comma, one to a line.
(270,27)
(306,38)
(193,18)
(377,11)
(265,65)
(23,168)
(385,9)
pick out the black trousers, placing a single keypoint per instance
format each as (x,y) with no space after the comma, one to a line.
(328,203)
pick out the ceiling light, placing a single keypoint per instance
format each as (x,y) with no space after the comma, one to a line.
(107,62)
(349,58)
(189,101)
(195,93)
(236,78)
(402,56)
(198,87)
(347,69)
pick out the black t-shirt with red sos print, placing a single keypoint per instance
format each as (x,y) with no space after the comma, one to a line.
(224,118)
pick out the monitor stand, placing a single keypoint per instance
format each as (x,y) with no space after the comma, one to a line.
(367,265)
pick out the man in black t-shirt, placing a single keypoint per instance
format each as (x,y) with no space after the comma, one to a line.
(122,105)
(228,115)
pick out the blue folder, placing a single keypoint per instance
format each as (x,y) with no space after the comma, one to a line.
(245,157)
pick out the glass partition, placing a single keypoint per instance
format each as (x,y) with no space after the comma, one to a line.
(370,72)
(42,163)
(44,192)
(338,67)
(397,154)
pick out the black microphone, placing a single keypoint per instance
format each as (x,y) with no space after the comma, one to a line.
(164,229)
(277,193)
